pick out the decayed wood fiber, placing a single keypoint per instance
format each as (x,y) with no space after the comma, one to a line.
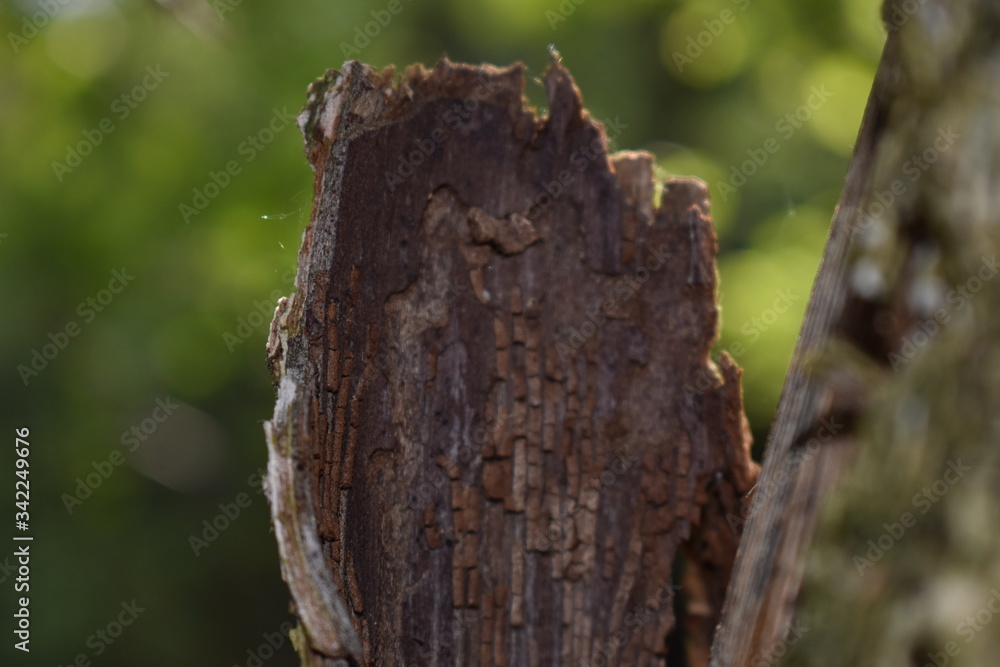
(493,417)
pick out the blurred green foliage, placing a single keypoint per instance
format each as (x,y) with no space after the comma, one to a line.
(203,84)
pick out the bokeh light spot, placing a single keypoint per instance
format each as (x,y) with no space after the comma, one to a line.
(87,44)
(846,82)
(705,44)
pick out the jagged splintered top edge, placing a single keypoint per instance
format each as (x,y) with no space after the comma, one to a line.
(399,97)
(402,95)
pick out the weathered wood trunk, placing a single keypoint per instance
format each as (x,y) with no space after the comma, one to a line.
(498,426)
(899,355)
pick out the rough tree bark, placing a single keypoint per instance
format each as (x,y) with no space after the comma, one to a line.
(493,440)
(899,355)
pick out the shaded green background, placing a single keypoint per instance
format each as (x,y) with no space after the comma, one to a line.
(188,331)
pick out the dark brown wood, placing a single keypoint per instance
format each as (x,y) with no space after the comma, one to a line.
(494,437)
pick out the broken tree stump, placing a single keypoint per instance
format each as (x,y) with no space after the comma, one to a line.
(494,442)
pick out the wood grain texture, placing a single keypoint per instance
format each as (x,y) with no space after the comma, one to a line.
(812,437)
(904,568)
(487,419)
(898,354)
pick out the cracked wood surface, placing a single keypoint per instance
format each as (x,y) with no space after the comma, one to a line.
(488,447)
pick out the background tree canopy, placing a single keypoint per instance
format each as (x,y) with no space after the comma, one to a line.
(154,192)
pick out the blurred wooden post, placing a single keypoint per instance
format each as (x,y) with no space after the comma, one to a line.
(811,440)
(498,426)
(894,390)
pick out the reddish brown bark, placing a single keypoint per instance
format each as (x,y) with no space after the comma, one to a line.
(493,435)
